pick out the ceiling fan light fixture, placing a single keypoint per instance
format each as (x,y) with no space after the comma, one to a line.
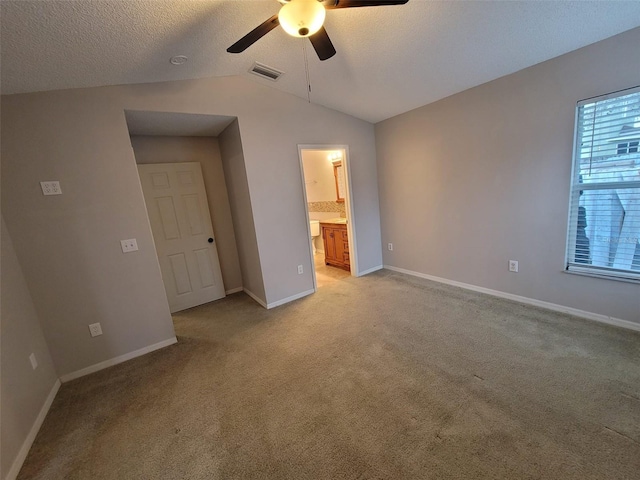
(302,18)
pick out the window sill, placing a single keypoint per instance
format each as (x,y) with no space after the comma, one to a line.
(603,276)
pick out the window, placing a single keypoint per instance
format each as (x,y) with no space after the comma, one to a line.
(630,147)
(604,217)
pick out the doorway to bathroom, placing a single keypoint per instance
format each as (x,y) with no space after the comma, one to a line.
(327,195)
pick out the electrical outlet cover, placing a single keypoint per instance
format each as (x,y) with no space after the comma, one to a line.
(95,329)
(129,245)
(51,188)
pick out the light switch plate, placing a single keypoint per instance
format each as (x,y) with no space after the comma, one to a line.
(130,245)
(34,362)
(51,188)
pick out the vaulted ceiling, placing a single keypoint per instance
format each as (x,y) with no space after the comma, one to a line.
(389,59)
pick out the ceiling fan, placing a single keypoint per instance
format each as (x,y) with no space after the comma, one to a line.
(305,18)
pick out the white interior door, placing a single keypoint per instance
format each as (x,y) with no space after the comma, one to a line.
(179,214)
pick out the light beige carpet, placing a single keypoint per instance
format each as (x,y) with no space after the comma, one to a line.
(382,377)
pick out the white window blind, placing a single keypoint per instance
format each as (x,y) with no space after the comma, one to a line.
(604,217)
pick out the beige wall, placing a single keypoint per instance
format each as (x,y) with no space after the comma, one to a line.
(481,177)
(23,390)
(80,138)
(242,214)
(206,151)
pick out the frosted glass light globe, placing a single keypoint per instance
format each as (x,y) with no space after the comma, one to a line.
(302,18)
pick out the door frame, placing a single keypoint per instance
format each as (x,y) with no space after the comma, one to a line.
(351,220)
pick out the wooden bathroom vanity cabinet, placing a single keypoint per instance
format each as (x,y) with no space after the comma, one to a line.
(336,244)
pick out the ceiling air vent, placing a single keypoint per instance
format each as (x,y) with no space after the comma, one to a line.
(265,72)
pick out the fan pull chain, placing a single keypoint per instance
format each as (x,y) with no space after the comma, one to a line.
(306,69)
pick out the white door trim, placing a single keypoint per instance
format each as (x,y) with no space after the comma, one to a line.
(351,219)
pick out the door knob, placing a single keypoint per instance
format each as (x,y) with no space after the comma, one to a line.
(210,240)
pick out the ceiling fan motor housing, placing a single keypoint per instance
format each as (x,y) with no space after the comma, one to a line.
(302,18)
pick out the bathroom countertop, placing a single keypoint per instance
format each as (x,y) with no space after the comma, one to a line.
(338,220)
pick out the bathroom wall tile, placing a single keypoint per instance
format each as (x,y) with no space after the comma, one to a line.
(328,207)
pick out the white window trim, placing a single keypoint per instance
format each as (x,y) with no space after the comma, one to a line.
(574,190)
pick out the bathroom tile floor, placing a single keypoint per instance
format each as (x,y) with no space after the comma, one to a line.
(326,274)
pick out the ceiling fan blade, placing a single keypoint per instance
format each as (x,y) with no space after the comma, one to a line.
(322,44)
(254,35)
(332,4)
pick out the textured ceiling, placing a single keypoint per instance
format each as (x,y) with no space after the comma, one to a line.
(176,124)
(390,59)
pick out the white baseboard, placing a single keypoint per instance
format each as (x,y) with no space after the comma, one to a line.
(116,360)
(371,270)
(233,290)
(279,302)
(290,299)
(26,445)
(618,322)
(256,298)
